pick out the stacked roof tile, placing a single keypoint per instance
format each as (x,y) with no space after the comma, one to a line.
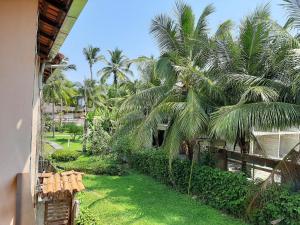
(57,184)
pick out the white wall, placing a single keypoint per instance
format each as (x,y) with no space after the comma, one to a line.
(18,22)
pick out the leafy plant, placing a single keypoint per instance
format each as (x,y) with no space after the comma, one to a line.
(229,192)
(74,129)
(98,139)
(65,155)
(87,217)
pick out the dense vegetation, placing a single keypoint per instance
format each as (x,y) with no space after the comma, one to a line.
(71,158)
(229,192)
(214,86)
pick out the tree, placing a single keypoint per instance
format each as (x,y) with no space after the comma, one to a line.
(93,97)
(118,66)
(57,90)
(219,86)
(74,129)
(259,71)
(186,93)
(92,56)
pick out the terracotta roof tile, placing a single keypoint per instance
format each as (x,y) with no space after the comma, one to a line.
(61,183)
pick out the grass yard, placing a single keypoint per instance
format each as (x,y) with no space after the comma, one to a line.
(139,200)
(63,139)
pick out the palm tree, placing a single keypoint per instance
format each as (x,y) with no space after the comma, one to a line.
(186,94)
(259,71)
(57,90)
(92,56)
(118,66)
(93,97)
(239,84)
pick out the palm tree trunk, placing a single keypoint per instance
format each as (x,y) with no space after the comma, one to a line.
(85,131)
(61,113)
(53,122)
(85,125)
(91,71)
(244,146)
(115,79)
(190,145)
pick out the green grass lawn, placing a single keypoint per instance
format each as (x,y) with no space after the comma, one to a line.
(139,200)
(63,138)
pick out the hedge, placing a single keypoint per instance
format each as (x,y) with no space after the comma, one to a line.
(65,155)
(98,165)
(226,191)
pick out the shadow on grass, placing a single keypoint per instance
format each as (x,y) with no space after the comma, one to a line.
(138,199)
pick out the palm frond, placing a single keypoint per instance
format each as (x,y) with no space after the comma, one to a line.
(163,28)
(202,24)
(259,93)
(293,7)
(231,121)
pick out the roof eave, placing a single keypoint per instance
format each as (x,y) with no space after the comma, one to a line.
(71,17)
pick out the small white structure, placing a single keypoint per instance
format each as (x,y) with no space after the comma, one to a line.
(275,144)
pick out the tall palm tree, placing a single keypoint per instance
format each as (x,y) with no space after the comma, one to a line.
(58,90)
(93,97)
(259,70)
(239,84)
(118,65)
(92,56)
(186,94)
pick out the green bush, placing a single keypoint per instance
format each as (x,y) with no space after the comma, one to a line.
(73,129)
(98,165)
(65,155)
(122,146)
(229,192)
(98,139)
(86,217)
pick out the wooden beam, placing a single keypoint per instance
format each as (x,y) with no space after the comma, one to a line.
(46,35)
(43,52)
(49,22)
(59,5)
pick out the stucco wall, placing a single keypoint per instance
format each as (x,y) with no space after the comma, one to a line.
(18,22)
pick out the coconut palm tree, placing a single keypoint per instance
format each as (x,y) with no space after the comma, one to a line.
(92,56)
(93,97)
(118,65)
(239,84)
(58,90)
(186,94)
(258,70)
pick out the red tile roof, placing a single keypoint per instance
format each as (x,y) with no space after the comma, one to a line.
(55,184)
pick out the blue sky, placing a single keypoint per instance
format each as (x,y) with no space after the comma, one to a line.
(125,24)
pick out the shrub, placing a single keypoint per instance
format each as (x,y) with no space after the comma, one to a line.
(122,146)
(73,129)
(98,139)
(47,122)
(98,165)
(229,192)
(86,217)
(65,155)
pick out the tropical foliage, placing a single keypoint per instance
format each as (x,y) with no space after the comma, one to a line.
(212,86)
(217,86)
(92,56)
(58,91)
(117,66)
